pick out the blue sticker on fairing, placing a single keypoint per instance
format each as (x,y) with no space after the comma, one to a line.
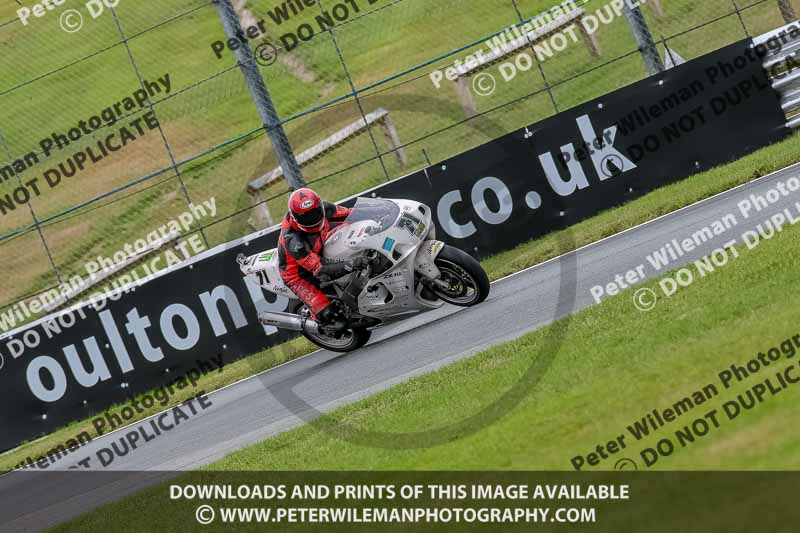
(388,244)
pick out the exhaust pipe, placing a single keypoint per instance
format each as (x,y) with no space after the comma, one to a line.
(288,321)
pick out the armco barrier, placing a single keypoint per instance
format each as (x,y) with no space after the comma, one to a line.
(544,177)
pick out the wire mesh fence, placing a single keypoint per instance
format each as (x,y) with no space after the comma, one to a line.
(119,116)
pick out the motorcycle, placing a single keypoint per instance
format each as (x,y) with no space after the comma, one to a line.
(407,272)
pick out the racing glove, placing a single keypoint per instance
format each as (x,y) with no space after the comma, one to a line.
(360,262)
(342,268)
(334,270)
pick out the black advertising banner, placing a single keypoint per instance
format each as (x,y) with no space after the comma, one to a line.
(544,177)
(201,315)
(603,153)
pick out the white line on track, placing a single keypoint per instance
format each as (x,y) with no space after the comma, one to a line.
(595,243)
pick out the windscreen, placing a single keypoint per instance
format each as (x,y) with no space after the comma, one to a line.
(383,213)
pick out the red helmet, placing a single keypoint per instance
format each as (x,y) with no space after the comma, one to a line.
(306,209)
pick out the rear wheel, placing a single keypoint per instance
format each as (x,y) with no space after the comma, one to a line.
(466,282)
(341,341)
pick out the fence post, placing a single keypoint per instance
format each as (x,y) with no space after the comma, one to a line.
(644,40)
(260,94)
(787,11)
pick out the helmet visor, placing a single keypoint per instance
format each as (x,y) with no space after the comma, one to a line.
(310,218)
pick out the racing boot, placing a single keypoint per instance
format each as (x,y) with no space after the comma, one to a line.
(329,319)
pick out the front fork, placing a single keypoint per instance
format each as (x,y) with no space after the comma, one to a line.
(425,264)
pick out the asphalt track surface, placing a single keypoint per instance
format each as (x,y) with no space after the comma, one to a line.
(292,394)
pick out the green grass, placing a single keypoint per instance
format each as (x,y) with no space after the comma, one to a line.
(615,365)
(533,252)
(399,36)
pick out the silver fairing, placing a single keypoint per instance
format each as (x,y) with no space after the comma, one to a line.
(397,233)
(396,229)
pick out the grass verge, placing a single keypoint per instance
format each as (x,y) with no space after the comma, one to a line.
(616,365)
(658,202)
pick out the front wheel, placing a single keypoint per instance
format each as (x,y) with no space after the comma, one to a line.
(465,281)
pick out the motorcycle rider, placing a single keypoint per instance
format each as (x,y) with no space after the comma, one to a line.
(304,230)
